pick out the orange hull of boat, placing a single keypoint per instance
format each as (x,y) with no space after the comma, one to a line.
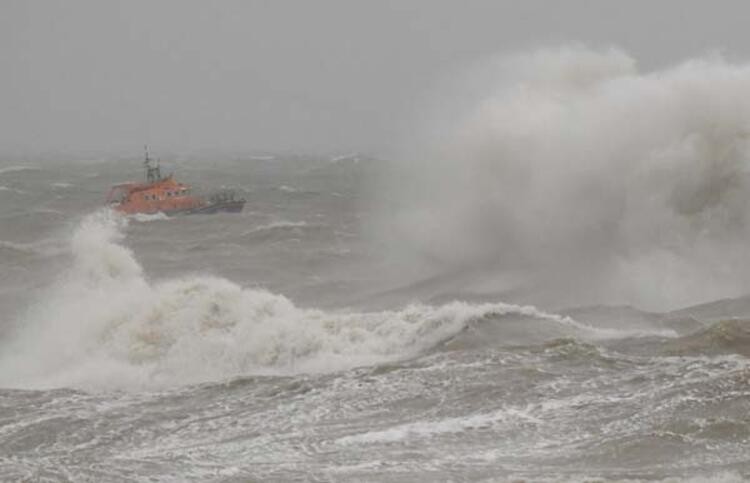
(165,195)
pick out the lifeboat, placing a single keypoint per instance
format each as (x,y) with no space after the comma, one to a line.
(162,194)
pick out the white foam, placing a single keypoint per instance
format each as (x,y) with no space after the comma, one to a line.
(719,477)
(426,429)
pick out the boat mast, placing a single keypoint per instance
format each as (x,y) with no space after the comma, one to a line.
(153,173)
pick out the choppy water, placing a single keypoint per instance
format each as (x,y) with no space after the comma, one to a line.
(284,344)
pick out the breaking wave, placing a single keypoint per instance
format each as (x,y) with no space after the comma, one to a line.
(12,190)
(45,247)
(146,217)
(276,226)
(106,325)
(287,189)
(603,183)
(15,169)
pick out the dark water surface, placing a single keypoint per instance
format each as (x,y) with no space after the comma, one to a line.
(284,344)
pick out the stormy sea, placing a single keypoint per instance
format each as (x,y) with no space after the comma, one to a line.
(551,287)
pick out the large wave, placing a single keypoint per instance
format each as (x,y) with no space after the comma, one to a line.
(106,325)
(600,182)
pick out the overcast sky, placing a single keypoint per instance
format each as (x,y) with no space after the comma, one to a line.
(305,75)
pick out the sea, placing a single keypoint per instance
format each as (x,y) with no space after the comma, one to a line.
(290,342)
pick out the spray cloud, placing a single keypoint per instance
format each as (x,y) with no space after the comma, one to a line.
(600,183)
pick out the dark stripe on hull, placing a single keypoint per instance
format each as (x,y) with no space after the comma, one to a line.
(221,207)
(211,208)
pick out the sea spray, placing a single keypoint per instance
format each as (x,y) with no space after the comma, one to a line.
(603,183)
(106,325)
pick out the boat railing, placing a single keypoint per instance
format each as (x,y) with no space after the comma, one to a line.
(224,196)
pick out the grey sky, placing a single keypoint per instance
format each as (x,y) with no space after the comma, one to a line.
(322,75)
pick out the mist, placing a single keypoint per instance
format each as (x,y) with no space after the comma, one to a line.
(590,180)
(330,75)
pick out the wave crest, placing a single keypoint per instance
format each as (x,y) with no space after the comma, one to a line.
(106,325)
